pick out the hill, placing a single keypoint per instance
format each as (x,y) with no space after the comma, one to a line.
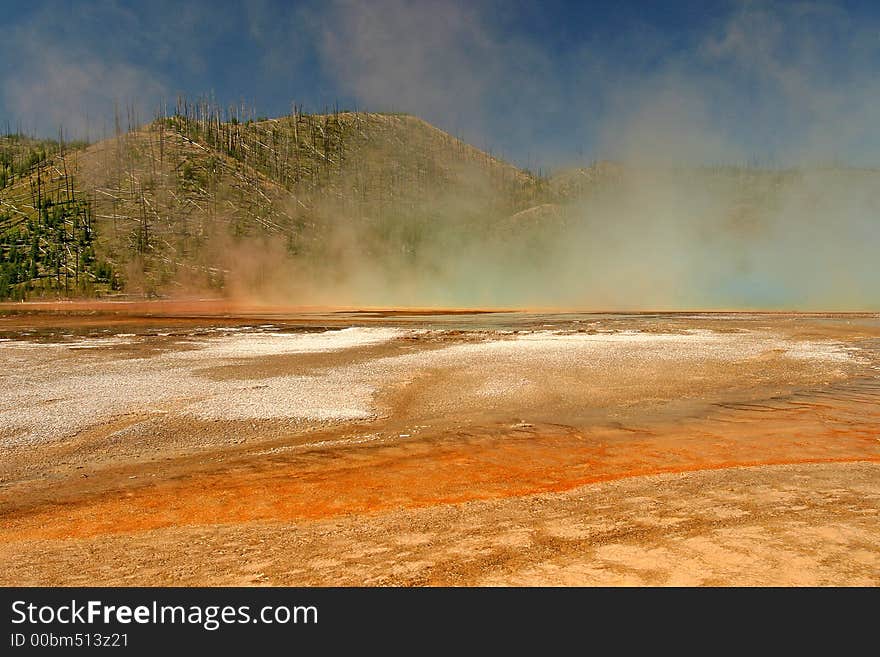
(350,208)
(162,208)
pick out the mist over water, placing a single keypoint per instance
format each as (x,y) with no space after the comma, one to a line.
(747,159)
(652,239)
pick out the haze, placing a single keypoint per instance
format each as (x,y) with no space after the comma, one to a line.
(745,133)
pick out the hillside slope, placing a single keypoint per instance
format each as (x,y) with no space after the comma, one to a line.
(162,208)
(383,209)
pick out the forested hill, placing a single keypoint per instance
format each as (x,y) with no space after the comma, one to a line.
(156,210)
(385,208)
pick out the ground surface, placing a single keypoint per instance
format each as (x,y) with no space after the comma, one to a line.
(499,448)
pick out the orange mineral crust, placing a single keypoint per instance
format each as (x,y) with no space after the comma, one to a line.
(116,440)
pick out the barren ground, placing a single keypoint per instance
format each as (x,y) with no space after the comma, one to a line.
(491,449)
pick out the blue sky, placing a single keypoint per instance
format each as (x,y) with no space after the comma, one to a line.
(542,83)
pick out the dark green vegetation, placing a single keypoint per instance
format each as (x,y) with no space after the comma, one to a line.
(47,241)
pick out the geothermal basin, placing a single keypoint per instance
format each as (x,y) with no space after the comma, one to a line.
(145,445)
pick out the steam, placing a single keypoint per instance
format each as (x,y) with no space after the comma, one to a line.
(72,79)
(767,90)
(779,84)
(747,152)
(648,238)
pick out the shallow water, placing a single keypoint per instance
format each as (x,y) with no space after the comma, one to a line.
(65,326)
